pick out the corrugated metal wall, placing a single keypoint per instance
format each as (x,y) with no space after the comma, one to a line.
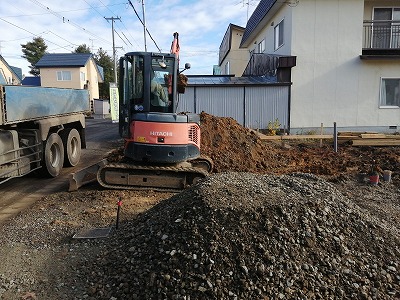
(250,106)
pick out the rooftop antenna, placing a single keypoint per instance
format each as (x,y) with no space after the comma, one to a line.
(91,48)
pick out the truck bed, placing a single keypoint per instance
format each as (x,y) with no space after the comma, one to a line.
(25,103)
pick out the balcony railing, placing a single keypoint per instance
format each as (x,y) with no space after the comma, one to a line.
(381,37)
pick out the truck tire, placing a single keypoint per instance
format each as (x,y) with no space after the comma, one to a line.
(72,146)
(53,156)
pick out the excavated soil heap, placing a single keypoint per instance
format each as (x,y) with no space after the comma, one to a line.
(233,147)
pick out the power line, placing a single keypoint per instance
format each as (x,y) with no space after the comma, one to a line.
(67,20)
(124,27)
(63,11)
(137,15)
(94,8)
(32,33)
(62,38)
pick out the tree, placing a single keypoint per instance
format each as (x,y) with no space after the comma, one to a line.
(106,62)
(33,52)
(83,49)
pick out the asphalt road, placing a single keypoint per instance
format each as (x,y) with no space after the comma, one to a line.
(18,194)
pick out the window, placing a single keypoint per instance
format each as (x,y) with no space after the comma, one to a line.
(261,46)
(386,28)
(161,85)
(83,76)
(390,92)
(278,35)
(64,76)
(227,68)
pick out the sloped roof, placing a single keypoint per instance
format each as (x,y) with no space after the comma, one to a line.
(68,60)
(50,60)
(17,71)
(101,72)
(258,15)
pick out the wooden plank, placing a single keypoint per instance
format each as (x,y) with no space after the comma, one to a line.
(308,136)
(376,142)
(348,137)
(296,137)
(393,136)
(348,133)
(373,135)
(270,137)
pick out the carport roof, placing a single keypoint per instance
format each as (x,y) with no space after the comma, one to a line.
(229,80)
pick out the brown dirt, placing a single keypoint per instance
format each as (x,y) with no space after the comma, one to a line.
(235,148)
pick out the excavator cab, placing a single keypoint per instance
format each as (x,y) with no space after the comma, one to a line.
(147,85)
(153,131)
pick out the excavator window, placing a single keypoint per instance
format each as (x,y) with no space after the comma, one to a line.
(161,85)
(135,81)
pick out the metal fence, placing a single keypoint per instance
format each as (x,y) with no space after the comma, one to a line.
(381,35)
(251,106)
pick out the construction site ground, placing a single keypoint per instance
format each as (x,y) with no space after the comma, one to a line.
(288,219)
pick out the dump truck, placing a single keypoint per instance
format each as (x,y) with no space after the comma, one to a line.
(42,129)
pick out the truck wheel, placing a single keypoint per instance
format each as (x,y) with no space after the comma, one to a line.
(53,156)
(72,147)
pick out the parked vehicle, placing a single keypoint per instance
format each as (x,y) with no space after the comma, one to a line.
(41,129)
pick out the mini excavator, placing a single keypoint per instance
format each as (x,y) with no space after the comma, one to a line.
(162,147)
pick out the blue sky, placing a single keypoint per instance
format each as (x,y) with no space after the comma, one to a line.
(65,24)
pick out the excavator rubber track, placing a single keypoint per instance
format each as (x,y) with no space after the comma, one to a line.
(169,178)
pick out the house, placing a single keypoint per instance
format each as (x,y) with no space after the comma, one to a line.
(342,58)
(9,74)
(229,51)
(71,70)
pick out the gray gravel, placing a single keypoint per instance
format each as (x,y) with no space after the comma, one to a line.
(232,236)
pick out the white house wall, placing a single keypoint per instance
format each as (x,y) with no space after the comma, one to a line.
(330,81)
(267,33)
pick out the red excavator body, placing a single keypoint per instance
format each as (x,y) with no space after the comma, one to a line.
(162,147)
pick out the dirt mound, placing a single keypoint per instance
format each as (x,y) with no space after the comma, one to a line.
(235,148)
(247,236)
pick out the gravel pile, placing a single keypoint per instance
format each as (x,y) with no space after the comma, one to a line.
(243,236)
(275,233)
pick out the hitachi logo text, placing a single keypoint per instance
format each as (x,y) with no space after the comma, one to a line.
(161,133)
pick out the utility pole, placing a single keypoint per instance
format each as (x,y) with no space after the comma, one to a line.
(114,52)
(144,27)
